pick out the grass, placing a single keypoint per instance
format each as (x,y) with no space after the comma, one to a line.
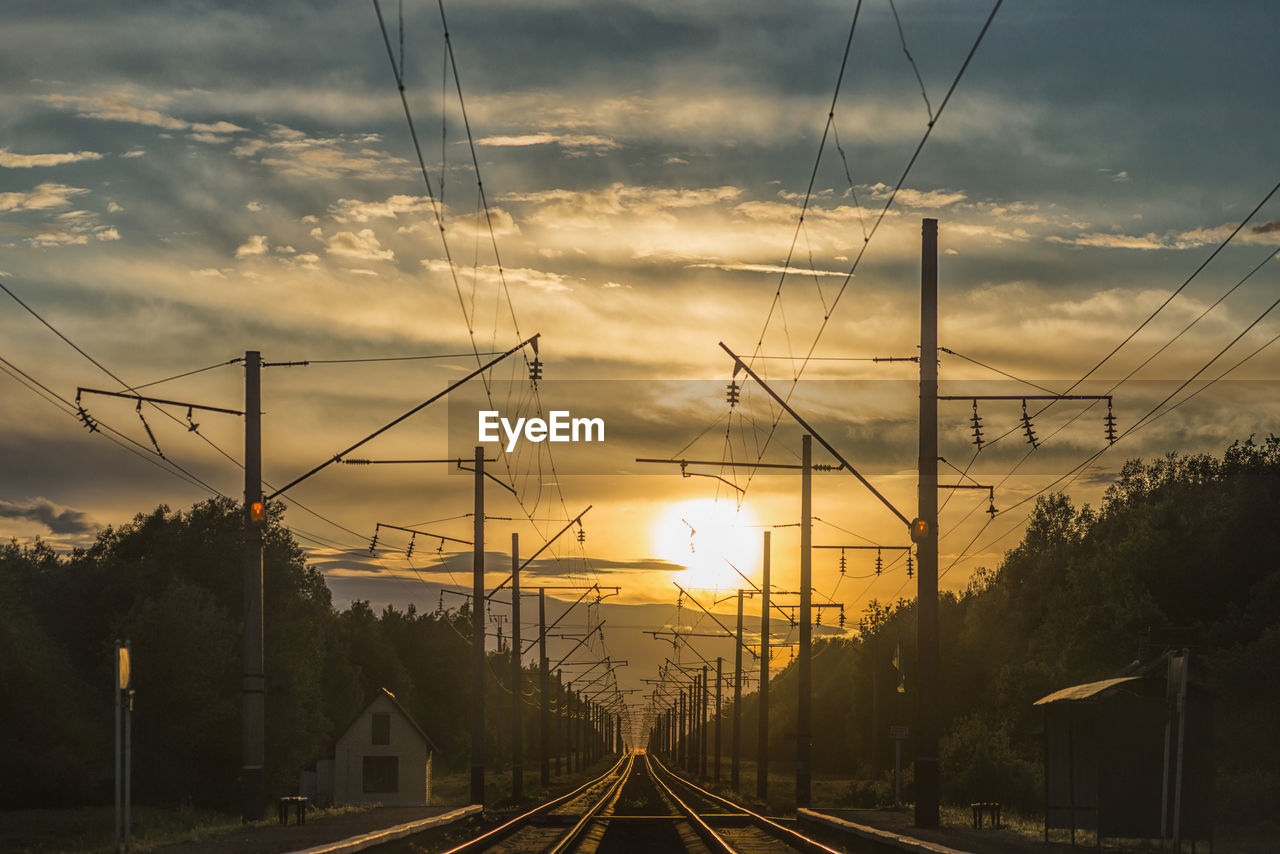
(84,830)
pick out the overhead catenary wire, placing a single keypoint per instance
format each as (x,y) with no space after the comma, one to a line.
(1074,473)
(437,207)
(1153,413)
(799,371)
(120,439)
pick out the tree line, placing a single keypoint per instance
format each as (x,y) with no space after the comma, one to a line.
(1182,550)
(171,582)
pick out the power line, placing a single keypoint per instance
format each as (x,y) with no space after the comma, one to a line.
(1150,415)
(880,217)
(234,361)
(141,451)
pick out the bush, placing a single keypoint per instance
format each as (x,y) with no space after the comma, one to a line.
(978,764)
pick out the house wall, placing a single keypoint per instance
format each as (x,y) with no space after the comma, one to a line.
(414,759)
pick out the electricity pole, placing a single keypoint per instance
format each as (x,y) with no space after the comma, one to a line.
(926,734)
(544,716)
(477,638)
(253,686)
(561,708)
(735,769)
(719,680)
(804,704)
(702,722)
(517,674)
(762,748)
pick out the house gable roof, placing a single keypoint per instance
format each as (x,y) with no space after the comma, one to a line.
(383,692)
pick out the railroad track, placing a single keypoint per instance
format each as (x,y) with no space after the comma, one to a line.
(557,826)
(724,826)
(641,806)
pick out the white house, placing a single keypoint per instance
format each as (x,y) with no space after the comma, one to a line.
(383,757)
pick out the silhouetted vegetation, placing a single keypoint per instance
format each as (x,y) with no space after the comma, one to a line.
(1183,550)
(172,583)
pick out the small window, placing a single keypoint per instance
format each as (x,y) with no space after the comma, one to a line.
(381,775)
(381,729)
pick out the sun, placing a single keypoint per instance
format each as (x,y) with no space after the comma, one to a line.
(705,535)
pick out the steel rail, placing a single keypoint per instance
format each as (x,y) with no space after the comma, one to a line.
(785,834)
(570,839)
(505,829)
(714,841)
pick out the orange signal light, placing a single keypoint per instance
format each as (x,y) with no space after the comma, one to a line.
(258,512)
(919,530)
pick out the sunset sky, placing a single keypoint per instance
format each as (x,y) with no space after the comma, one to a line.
(180,183)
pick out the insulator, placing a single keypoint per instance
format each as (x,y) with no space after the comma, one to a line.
(732,393)
(1026,427)
(818,620)
(440,548)
(843,562)
(535,370)
(842,616)
(991,506)
(879,562)
(86,419)
(975,421)
(582,536)
(441,606)
(1110,423)
(409,551)
(373,543)
(191,425)
(911,567)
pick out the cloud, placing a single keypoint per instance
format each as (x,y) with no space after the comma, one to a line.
(554,567)
(362,245)
(125,107)
(354,210)
(572,208)
(69,228)
(517,141)
(254,206)
(491,274)
(255,245)
(58,519)
(917,198)
(44,197)
(294,153)
(770,268)
(1112,241)
(1190,239)
(27,161)
(598,143)
(208,138)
